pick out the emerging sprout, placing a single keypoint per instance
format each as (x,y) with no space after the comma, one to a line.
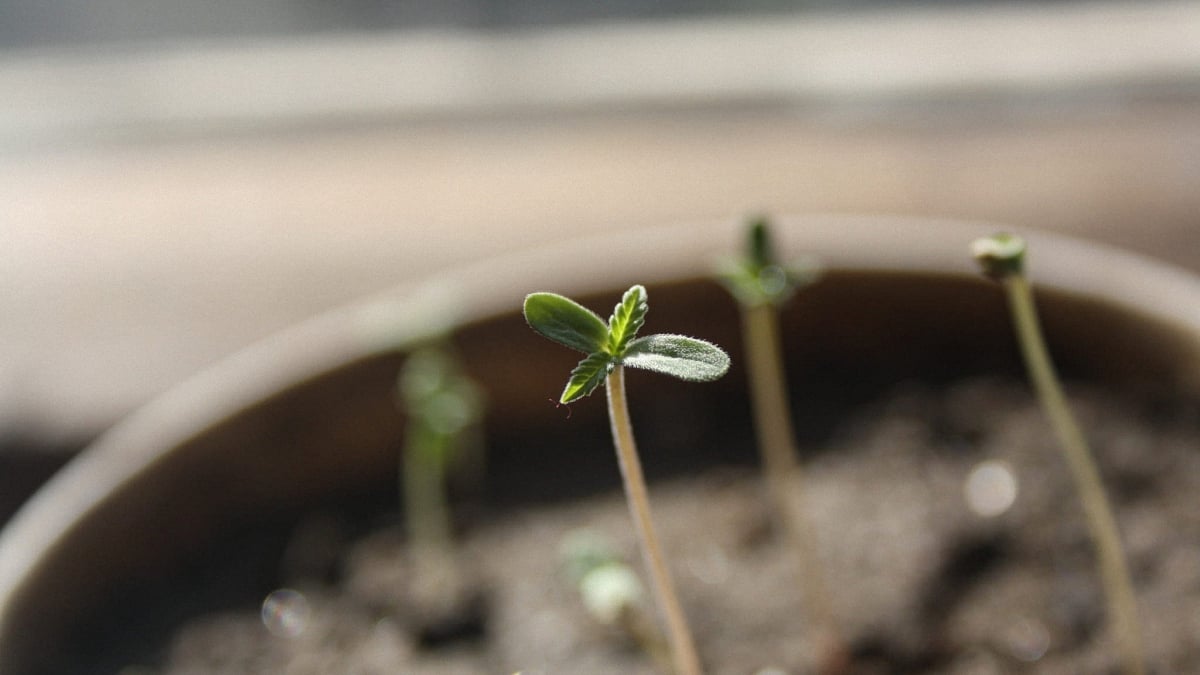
(611,590)
(758,277)
(442,406)
(1002,257)
(609,347)
(761,284)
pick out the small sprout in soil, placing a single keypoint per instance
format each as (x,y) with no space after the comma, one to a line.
(443,406)
(761,284)
(1002,257)
(609,347)
(611,591)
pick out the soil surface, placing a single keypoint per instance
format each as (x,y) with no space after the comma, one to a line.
(927,575)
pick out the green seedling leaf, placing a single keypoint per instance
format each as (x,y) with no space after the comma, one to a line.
(758,278)
(627,318)
(682,357)
(586,376)
(566,322)
(758,243)
(441,401)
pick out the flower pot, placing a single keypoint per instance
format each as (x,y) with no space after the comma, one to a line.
(308,416)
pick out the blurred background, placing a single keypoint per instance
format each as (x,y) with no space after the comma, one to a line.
(179,180)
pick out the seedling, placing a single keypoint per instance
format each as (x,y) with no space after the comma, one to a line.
(611,591)
(761,284)
(1002,257)
(442,406)
(609,348)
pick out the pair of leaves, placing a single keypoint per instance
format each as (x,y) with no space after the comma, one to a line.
(758,278)
(614,343)
(442,402)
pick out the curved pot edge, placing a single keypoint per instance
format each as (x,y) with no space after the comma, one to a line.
(390,320)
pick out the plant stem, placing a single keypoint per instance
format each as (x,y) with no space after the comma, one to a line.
(683,649)
(768,393)
(1118,588)
(428,520)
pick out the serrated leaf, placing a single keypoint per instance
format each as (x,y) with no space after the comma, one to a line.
(682,357)
(627,318)
(586,376)
(566,322)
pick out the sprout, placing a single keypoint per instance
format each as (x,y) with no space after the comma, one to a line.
(761,284)
(442,405)
(1002,257)
(611,590)
(609,347)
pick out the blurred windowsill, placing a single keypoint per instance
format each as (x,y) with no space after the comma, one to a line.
(882,55)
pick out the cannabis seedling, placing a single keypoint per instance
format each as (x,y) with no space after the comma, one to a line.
(610,347)
(1002,257)
(761,284)
(611,591)
(442,405)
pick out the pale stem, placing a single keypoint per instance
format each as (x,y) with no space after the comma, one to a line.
(428,521)
(1122,605)
(683,649)
(760,324)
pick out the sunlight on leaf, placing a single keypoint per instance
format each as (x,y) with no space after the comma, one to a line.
(586,376)
(566,322)
(627,318)
(682,357)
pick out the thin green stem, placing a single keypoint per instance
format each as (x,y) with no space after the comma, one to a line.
(427,517)
(1118,588)
(683,648)
(776,443)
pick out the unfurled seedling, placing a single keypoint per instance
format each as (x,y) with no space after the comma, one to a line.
(1002,258)
(761,284)
(442,405)
(610,347)
(611,590)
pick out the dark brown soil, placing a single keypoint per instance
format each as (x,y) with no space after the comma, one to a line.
(921,582)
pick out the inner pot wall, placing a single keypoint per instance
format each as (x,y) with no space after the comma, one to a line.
(309,415)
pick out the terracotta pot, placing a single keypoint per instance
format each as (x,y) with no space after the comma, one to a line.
(308,415)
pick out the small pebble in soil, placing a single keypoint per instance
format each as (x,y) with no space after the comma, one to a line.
(991,488)
(1028,640)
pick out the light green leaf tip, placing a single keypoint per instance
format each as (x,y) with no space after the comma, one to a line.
(566,322)
(682,357)
(627,318)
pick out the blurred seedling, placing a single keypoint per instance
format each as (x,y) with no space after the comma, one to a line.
(610,347)
(611,591)
(443,407)
(762,284)
(1002,257)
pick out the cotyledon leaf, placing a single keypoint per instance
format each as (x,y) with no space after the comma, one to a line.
(679,356)
(566,322)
